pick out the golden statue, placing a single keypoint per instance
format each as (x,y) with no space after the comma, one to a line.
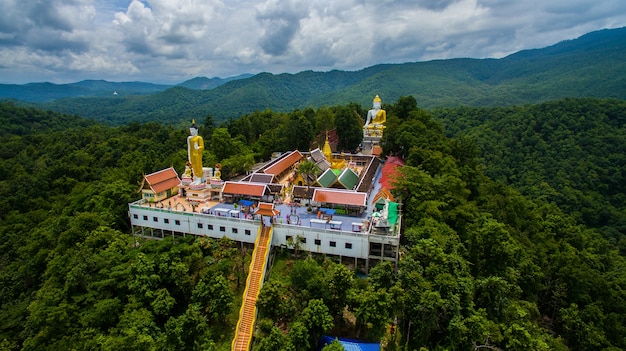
(195,146)
(376,117)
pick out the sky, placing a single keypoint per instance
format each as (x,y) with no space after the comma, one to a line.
(170,41)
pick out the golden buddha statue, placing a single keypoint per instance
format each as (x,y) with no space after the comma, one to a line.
(376,117)
(195,146)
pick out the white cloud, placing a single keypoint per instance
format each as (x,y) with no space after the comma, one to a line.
(173,40)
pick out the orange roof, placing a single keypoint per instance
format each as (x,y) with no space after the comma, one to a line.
(162,180)
(266,209)
(350,198)
(377,150)
(383,194)
(281,165)
(244,188)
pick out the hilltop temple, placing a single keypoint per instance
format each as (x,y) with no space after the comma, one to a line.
(334,203)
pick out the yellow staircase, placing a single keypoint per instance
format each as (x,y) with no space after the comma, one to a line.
(247,313)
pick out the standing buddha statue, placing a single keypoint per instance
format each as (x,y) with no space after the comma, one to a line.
(195,146)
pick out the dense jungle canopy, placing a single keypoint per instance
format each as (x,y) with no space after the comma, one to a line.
(514,234)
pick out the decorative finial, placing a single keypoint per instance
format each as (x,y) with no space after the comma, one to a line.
(377,99)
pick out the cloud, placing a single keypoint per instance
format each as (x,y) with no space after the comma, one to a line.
(280,21)
(53,25)
(173,40)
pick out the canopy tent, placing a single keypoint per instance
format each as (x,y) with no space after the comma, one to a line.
(246,203)
(328,211)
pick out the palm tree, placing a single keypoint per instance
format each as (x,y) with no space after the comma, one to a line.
(309,172)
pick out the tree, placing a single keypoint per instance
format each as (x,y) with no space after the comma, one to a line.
(214,297)
(324,119)
(335,345)
(275,341)
(271,301)
(403,107)
(307,279)
(209,126)
(317,320)
(349,126)
(295,244)
(340,284)
(298,132)
(309,171)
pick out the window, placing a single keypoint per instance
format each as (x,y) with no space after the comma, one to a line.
(289,238)
(145,218)
(200,225)
(235,230)
(177,222)
(318,242)
(210,226)
(303,240)
(135,216)
(155,219)
(333,244)
(222,229)
(348,245)
(247,232)
(166,221)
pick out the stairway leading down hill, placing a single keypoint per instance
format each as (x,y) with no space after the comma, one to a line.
(247,313)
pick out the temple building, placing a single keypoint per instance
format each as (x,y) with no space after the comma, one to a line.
(159,185)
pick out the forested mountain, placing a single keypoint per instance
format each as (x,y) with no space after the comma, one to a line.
(44,92)
(482,266)
(570,152)
(203,83)
(590,66)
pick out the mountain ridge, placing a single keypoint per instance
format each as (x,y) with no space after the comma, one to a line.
(589,66)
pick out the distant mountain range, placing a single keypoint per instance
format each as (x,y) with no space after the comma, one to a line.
(590,66)
(46,92)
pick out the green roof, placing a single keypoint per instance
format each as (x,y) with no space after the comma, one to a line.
(327,179)
(348,178)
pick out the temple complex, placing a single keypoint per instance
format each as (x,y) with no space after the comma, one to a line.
(333,204)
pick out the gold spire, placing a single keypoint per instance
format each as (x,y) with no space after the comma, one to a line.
(326,150)
(377,99)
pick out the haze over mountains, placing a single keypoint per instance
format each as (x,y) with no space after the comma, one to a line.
(590,66)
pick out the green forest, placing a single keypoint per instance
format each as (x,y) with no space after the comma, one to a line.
(513,220)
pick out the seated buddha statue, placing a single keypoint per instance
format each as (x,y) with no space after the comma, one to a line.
(376,117)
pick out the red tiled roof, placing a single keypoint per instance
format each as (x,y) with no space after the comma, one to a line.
(377,150)
(390,171)
(266,209)
(243,188)
(350,198)
(281,165)
(162,180)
